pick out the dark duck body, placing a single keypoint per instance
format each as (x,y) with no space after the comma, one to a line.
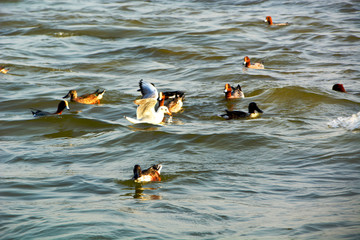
(253,112)
(61,106)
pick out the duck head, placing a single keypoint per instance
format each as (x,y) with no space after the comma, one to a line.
(137,171)
(164,109)
(62,105)
(268,19)
(227,88)
(246,61)
(253,107)
(338,87)
(71,94)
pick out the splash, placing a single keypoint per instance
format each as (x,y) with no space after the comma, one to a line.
(349,123)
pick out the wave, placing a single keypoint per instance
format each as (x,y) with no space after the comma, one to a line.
(350,123)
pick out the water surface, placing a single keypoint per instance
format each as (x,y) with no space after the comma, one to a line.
(293,173)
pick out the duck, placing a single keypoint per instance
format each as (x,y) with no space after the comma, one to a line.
(92,98)
(269,20)
(172,100)
(339,87)
(233,92)
(3,70)
(254,66)
(148,90)
(146,113)
(148,175)
(61,106)
(253,112)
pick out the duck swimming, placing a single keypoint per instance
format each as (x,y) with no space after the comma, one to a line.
(62,105)
(172,100)
(91,98)
(150,174)
(269,20)
(339,87)
(254,112)
(254,66)
(233,92)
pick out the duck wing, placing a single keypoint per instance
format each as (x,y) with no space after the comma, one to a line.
(148,90)
(234,114)
(146,108)
(132,120)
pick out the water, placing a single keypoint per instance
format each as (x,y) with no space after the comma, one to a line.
(291,174)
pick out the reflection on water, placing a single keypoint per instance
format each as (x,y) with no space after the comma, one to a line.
(139,193)
(143,127)
(139,190)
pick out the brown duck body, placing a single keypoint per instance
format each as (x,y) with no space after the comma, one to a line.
(254,66)
(233,92)
(172,100)
(92,98)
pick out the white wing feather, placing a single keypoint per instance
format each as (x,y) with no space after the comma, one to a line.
(148,90)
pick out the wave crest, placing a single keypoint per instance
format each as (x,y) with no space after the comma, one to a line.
(349,123)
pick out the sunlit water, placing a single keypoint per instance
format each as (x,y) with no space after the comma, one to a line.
(293,173)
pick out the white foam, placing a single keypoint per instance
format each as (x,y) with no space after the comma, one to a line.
(349,123)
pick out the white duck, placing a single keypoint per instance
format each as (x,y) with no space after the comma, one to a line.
(146,113)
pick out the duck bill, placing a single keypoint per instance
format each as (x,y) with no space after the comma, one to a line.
(67,105)
(67,95)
